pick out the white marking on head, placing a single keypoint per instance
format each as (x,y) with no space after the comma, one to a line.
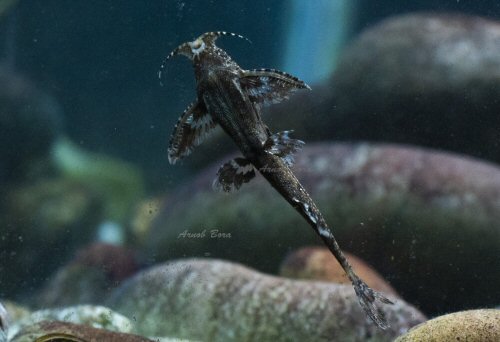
(197,46)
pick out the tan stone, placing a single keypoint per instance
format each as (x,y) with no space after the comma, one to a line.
(471,326)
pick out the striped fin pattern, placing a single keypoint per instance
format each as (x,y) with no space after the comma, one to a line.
(212,36)
(268,86)
(233,174)
(191,129)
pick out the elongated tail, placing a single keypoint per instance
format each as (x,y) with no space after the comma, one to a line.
(275,170)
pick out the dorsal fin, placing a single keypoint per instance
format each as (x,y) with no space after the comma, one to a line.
(211,37)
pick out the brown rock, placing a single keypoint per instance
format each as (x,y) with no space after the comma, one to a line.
(318,263)
(117,262)
(72,332)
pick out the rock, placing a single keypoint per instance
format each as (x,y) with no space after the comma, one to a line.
(418,216)
(73,284)
(95,271)
(64,331)
(44,221)
(426,79)
(30,121)
(429,80)
(472,326)
(95,316)
(221,301)
(117,262)
(318,263)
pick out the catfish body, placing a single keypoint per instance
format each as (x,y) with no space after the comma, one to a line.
(231,108)
(232,98)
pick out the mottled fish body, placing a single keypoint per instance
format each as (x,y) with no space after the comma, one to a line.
(232,98)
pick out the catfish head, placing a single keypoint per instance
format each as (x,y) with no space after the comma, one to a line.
(204,53)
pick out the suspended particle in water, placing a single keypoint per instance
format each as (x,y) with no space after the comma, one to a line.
(180,8)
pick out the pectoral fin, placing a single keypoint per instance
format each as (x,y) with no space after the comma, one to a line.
(233,174)
(191,129)
(268,86)
(283,146)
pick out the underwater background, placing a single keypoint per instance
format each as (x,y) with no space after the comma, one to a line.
(101,236)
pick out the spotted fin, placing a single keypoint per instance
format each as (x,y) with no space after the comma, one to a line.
(268,86)
(233,174)
(283,146)
(191,129)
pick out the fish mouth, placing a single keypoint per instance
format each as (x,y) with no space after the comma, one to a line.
(197,46)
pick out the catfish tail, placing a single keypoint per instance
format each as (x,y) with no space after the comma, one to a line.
(279,175)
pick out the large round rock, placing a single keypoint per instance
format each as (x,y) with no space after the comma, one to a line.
(428,221)
(425,79)
(472,326)
(42,224)
(221,301)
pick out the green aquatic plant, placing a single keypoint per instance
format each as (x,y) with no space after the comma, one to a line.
(6,6)
(119,183)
